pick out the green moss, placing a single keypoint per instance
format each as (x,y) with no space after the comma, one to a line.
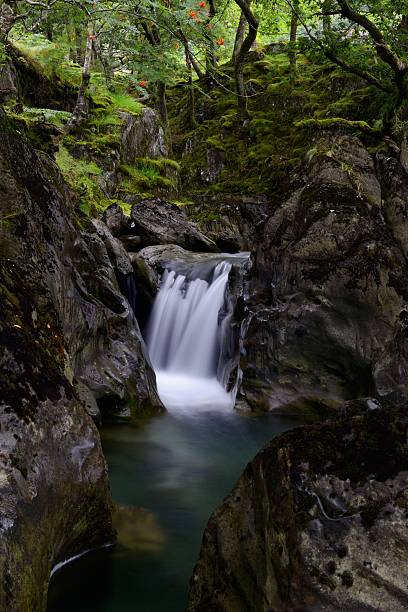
(104,118)
(126,103)
(82,176)
(148,174)
(105,202)
(261,157)
(143,176)
(98,144)
(42,115)
(324,124)
(206,214)
(215,143)
(161,163)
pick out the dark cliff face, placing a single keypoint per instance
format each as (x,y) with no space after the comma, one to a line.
(84,274)
(330,283)
(316,522)
(67,336)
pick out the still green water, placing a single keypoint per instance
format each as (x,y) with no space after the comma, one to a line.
(180,468)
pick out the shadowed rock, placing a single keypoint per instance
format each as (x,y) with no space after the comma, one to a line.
(64,325)
(316,522)
(159,222)
(143,136)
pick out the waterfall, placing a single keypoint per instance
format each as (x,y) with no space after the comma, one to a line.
(184,338)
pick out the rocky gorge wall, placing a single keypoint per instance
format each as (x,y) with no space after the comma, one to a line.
(318,519)
(69,339)
(328,291)
(326,300)
(325,315)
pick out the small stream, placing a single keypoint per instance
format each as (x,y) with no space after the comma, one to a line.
(178,466)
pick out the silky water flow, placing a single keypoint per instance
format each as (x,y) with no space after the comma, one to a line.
(184,340)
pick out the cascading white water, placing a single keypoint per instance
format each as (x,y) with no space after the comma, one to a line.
(183,340)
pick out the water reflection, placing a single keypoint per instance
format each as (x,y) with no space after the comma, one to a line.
(180,469)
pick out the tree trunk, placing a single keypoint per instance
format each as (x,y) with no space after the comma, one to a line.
(326,18)
(162,108)
(190,55)
(293,39)
(241,57)
(49,34)
(210,57)
(192,120)
(7,19)
(239,36)
(162,103)
(403,28)
(81,110)
(80,57)
(105,63)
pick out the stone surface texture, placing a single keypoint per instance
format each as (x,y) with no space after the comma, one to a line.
(327,299)
(68,336)
(317,522)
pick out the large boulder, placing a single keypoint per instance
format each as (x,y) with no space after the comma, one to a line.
(233,221)
(328,305)
(143,136)
(316,522)
(157,221)
(105,345)
(37,89)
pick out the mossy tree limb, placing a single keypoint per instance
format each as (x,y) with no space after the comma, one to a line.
(333,122)
(241,57)
(81,110)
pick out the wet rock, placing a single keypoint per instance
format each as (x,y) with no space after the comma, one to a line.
(215,165)
(131,243)
(329,287)
(394,183)
(294,534)
(8,81)
(39,91)
(234,222)
(116,220)
(89,402)
(159,222)
(155,259)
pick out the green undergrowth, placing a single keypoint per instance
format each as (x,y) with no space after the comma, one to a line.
(285,110)
(50,60)
(49,116)
(143,179)
(148,174)
(102,131)
(87,153)
(82,177)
